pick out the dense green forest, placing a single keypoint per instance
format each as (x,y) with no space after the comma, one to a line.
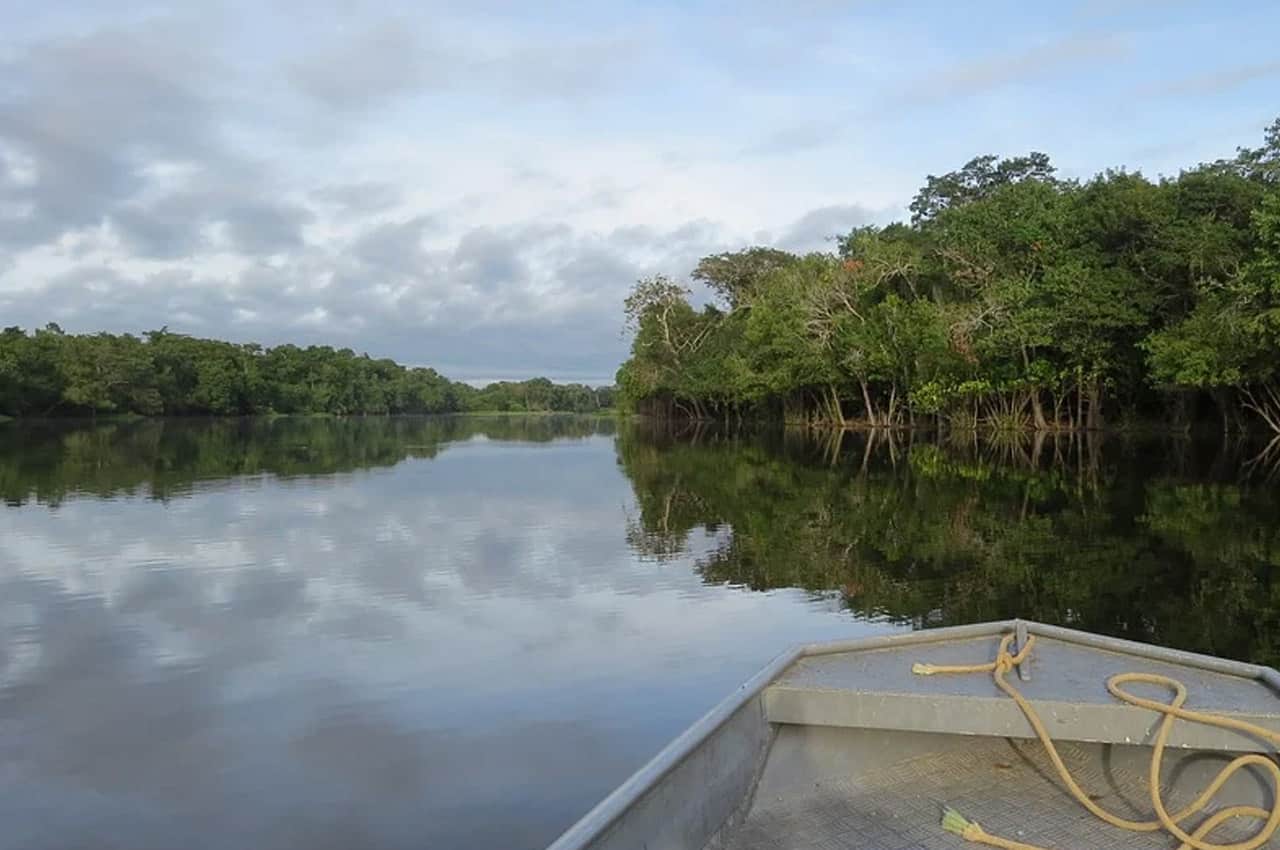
(1013,299)
(52,373)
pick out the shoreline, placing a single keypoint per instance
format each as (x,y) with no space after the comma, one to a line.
(137,417)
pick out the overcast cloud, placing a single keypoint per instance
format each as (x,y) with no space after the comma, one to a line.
(476,186)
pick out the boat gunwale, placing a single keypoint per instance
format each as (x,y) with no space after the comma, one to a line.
(596,822)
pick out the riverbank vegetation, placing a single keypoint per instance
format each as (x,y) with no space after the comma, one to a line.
(52,373)
(1013,299)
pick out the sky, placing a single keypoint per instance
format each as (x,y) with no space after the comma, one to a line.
(476,186)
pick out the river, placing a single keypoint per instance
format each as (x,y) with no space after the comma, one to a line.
(462,632)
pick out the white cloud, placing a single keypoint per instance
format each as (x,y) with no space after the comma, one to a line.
(474,190)
(1212,82)
(1013,67)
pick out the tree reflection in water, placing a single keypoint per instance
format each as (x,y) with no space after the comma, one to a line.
(1169,540)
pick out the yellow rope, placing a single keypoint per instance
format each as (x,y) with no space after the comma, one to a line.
(1005,662)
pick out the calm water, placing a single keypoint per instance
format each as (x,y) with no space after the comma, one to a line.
(439,633)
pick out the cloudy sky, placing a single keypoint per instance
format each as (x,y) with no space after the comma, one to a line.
(475,186)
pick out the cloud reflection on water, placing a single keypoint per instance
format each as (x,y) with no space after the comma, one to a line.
(444,652)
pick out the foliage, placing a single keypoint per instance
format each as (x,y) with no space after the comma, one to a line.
(52,373)
(1013,299)
(979,178)
(736,276)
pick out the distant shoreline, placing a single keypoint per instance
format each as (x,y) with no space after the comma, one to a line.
(48,372)
(106,418)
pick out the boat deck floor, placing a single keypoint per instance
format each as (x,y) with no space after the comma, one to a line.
(1008,786)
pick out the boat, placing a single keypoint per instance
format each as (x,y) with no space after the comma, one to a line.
(929,739)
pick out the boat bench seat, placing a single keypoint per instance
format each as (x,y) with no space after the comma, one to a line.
(1066,682)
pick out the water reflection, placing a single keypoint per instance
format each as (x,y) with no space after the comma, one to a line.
(1168,539)
(463,632)
(49,460)
(366,633)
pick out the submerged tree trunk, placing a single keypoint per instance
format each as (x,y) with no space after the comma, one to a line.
(1037,448)
(866,451)
(1180,415)
(1219,397)
(1264,400)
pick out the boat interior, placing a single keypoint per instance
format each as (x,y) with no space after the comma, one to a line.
(866,744)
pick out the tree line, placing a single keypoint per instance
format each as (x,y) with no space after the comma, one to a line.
(52,373)
(1012,299)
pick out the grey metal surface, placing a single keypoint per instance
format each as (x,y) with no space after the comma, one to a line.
(622,818)
(884,803)
(1154,652)
(692,789)
(1020,640)
(702,794)
(876,689)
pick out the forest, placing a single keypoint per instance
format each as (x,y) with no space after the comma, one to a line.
(1013,299)
(49,373)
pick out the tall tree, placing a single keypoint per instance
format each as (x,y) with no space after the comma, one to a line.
(735,275)
(977,179)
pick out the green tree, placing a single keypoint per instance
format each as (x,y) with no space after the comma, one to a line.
(1012,300)
(735,276)
(977,179)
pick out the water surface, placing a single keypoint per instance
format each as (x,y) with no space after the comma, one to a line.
(394,633)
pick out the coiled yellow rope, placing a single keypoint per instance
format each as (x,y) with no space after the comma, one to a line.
(1005,662)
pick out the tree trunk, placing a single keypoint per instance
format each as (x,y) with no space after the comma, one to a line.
(1059,400)
(837,413)
(1095,406)
(1079,423)
(1037,411)
(871,408)
(1180,413)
